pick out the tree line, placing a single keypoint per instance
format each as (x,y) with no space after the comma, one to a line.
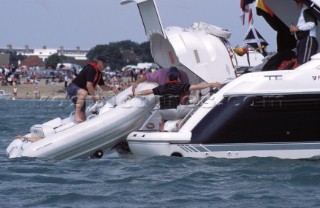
(119,54)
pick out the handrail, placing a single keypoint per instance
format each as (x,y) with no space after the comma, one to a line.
(201,101)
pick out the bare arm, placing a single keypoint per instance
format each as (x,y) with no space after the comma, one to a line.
(91,91)
(201,86)
(140,80)
(145,92)
(107,87)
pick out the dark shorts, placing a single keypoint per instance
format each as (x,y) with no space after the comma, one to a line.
(306,48)
(72,92)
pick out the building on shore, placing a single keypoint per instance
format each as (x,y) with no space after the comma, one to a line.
(77,55)
(44,52)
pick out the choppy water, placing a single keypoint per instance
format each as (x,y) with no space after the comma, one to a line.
(116,181)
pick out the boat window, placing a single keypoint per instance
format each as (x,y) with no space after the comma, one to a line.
(286,103)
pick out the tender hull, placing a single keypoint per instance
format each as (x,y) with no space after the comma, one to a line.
(98,132)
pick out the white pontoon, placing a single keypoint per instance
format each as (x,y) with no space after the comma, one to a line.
(61,138)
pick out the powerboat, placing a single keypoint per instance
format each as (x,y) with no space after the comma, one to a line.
(265,113)
(108,123)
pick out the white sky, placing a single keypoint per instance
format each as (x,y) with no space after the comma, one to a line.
(86,23)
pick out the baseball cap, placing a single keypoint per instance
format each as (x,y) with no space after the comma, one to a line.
(103,59)
(173,73)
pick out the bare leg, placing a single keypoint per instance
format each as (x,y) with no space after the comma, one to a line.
(80,116)
(180,123)
(161,125)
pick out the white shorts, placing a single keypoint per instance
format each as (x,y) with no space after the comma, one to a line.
(176,113)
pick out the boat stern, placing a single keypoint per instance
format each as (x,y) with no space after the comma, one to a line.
(147,144)
(16,148)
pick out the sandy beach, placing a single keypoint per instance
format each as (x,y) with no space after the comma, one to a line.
(27,91)
(52,90)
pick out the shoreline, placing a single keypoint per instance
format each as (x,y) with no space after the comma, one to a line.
(52,91)
(27,91)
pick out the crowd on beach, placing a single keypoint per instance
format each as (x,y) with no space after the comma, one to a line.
(31,75)
(9,75)
(21,76)
(18,77)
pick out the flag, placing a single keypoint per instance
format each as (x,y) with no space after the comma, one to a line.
(250,20)
(244,5)
(285,39)
(255,40)
(263,6)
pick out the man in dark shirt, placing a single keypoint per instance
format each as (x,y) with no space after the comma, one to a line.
(85,84)
(170,108)
(170,93)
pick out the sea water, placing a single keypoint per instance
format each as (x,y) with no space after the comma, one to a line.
(124,181)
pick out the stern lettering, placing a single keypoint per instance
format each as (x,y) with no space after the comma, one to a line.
(316,78)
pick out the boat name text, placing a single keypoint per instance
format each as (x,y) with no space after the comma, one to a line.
(44,146)
(315,78)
